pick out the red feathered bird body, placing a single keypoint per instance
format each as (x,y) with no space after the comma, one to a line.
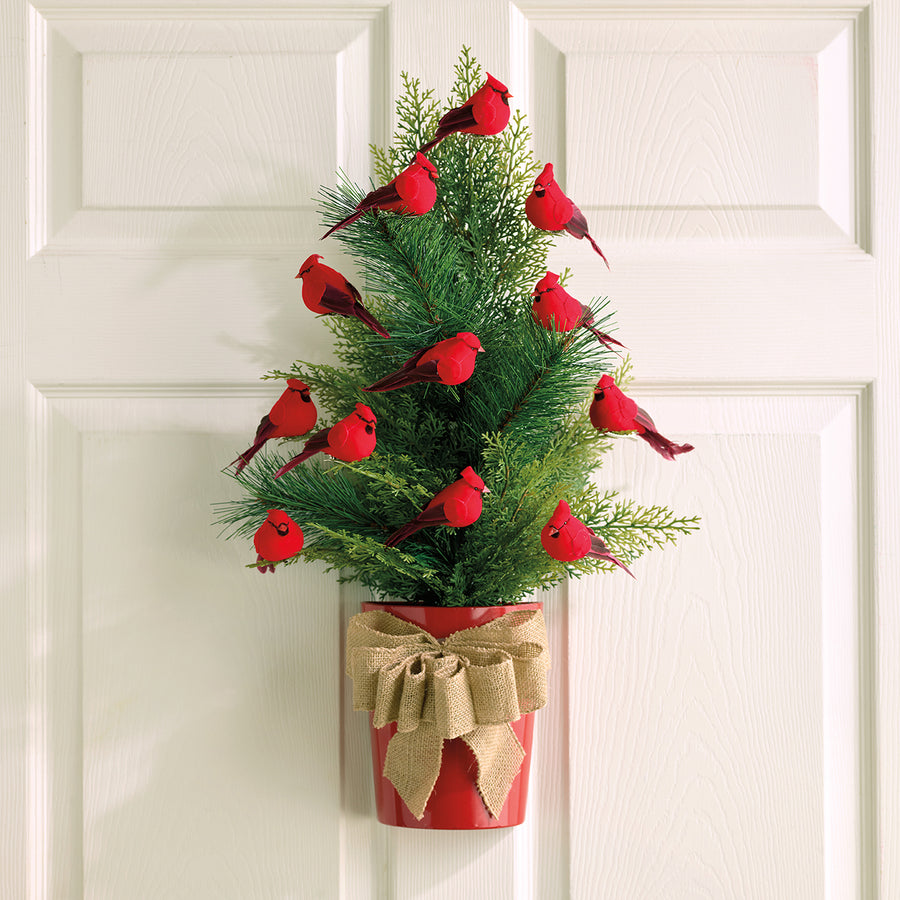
(326,292)
(486,112)
(412,192)
(277,539)
(457,505)
(557,310)
(566,538)
(549,209)
(349,440)
(292,415)
(611,410)
(451,361)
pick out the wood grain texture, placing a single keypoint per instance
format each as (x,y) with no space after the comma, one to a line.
(882,645)
(194,130)
(16,836)
(740,736)
(203,682)
(200,125)
(721,131)
(714,670)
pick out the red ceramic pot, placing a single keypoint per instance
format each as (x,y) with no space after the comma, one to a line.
(455,802)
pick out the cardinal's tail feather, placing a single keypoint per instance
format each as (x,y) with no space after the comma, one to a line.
(603,337)
(594,245)
(344,222)
(391,382)
(610,558)
(315,444)
(262,569)
(247,455)
(402,533)
(368,319)
(599,550)
(425,148)
(663,446)
(293,463)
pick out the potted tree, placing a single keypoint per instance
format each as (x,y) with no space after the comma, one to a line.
(448,460)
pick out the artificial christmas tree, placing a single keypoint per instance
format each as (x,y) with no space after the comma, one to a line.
(450,261)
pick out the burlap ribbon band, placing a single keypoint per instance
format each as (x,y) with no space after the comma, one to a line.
(470,685)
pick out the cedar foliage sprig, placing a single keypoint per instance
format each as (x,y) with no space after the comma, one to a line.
(521,421)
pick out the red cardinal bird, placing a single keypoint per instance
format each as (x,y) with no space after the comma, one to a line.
(567,538)
(278,538)
(451,361)
(350,440)
(293,415)
(611,410)
(457,505)
(485,112)
(413,192)
(326,291)
(558,310)
(549,209)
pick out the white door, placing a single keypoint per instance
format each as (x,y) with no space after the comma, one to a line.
(724,727)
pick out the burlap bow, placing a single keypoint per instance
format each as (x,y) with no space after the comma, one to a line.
(470,685)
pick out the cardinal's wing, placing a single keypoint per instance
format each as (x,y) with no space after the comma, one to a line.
(336,300)
(381,196)
(432,515)
(265,429)
(457,119)
(643,419)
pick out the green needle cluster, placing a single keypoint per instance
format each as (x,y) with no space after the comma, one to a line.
(521,420)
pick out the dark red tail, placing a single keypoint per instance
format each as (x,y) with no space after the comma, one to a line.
(247,455)
(432,143)
(604,338)
(351,218)
(663,446)
(293,463)
(391,382)
(367,318)
(402,533)
(594,245)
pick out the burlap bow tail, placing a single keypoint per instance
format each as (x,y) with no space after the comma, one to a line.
(470,685)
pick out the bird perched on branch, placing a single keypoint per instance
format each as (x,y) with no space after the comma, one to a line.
(412,192)
(486,112)
(457,505)
(611,410)
(277,539)
(326,291)
(451,361)
(557,310)
(292,415)
(549,209)
(566,538)
(349,440)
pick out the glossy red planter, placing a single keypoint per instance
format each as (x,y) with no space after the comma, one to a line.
(455,802)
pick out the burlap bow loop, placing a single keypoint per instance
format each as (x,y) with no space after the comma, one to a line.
(471,685)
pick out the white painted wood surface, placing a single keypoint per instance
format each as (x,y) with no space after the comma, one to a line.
(168,729)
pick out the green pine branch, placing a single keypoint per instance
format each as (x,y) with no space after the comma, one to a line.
(521,421)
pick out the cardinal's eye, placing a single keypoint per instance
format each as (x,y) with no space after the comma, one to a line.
(307,269)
